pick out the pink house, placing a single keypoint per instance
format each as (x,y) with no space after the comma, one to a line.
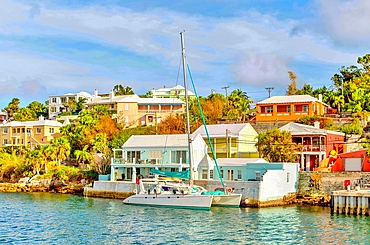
(317,143)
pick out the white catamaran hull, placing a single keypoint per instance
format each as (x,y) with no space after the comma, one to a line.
(229,200)
(171,200)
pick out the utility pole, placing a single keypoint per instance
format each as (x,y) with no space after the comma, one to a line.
(227,143)
(269,89)
(227,101)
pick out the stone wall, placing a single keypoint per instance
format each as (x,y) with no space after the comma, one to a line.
(322,184)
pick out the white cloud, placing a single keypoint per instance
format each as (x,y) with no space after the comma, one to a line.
(346,21)
(260,69)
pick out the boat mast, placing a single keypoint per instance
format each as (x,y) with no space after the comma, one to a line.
(187,108)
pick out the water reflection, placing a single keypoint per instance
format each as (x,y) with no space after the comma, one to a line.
(31,218)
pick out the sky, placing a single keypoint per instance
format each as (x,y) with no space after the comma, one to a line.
(54,47)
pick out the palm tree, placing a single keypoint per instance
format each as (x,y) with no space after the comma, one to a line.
(35,158)
(62,148)
(83,155)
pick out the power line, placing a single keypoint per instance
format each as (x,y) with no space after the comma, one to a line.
(269,89)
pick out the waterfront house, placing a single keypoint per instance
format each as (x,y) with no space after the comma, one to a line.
(140,153)
(28,133)
(134,111)
(289,108)
(231,140)
(174,92)
(317,143)
(260,182)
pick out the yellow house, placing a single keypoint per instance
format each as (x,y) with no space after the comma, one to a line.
(289,108)
(231,140)
(28,133)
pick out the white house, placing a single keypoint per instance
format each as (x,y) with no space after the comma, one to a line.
(140,153)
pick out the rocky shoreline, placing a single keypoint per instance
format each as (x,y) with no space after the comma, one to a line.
(50,186)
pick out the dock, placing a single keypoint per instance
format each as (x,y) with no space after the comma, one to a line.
(354,202)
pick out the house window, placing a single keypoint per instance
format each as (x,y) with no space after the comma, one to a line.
(204,173)
(239,174)
(14,130)
(268,109)
(133,156)
(222,173)
(288,108)
(63,100)
(5,141)
(5,131)
(305,108)
(28,131)
(211,174)
(258,175)
(154,155)
(38,130)
(288,177)
(230,174)
(51,130)
(18,130)
(23,130)
(127,107)
(53,109)
(126,119)
(54,100)
(178,156)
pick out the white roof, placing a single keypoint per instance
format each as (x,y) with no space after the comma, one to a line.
(289,99)
(239,161)
(32,123)
(147,141)
(153,100)
(166,91)
(219,130)
(106,100)
(302,129)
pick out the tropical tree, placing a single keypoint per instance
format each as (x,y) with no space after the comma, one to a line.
(239,104)
(13,107)
(38,109)
(25,114)
(83,155)
(62,148)
(35,158)
(292,87)
(122,90)
(277,146)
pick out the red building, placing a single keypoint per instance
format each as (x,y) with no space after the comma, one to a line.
(3,116)
(355,161)
(317,143)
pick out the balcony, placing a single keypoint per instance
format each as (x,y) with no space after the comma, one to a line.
(314,148)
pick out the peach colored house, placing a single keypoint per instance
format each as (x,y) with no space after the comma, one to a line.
(28,133)
(134,111)
(289,108)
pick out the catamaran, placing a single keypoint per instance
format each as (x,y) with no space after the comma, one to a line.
(179,196)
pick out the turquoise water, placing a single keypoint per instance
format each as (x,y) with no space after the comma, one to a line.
(43,218)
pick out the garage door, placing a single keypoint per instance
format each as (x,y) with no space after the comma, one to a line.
(353,164)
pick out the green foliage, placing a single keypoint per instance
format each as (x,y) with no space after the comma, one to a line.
(277,146)
(354,128)
(325,122)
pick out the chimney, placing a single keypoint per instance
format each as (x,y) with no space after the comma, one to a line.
(111,95)
(95,93)
(320,97)
(316,124)
(153,93)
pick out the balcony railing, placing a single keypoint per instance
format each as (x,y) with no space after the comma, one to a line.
(314,148)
